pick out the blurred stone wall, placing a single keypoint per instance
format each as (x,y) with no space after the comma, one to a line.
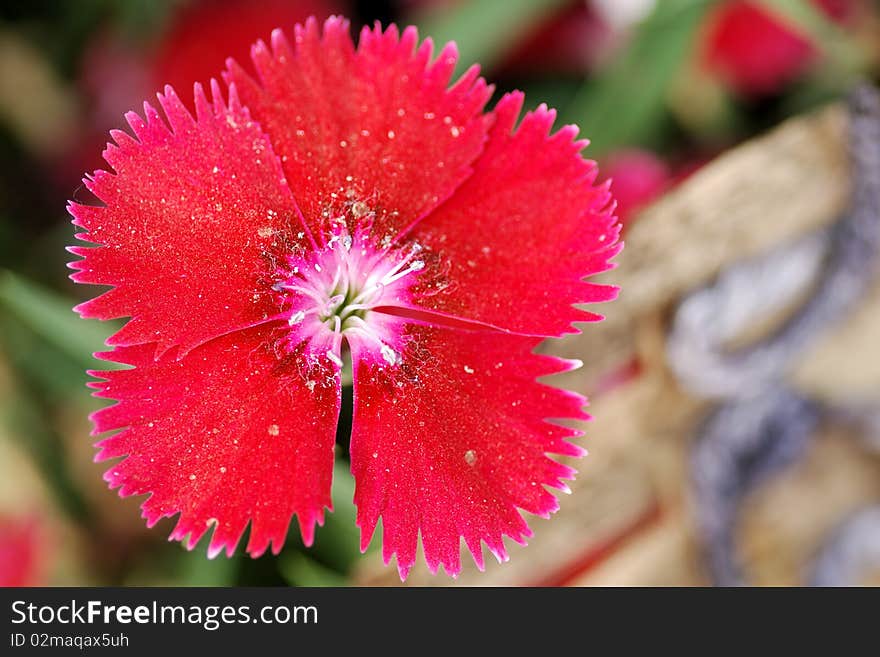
(629,519)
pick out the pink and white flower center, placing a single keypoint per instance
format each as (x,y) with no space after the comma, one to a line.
(332,293)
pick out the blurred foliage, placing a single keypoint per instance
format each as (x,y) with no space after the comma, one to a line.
(48,315)
(626,103)
(484,30)
(64,29)
(843,55)
(648,90)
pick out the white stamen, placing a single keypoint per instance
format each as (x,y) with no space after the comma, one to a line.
(416,265)
(340,287)
(313,294)
(389,354)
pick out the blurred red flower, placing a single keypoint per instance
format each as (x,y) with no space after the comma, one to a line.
(757,52)
(203,34)
(637,178)
(21,552)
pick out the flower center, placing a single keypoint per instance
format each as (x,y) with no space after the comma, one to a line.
(332,292)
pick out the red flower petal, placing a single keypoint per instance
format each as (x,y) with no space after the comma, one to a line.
(522,232)
(191,218)
(375,124)
(230,433)
(452,448)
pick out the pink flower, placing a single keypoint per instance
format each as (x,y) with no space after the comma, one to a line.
(345,203)
(637,178)
(755,51)
(22,558)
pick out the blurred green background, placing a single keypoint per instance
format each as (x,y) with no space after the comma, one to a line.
(659,87)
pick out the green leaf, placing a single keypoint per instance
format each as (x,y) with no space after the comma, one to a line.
(337,543)
(56,378)
(195,569)
(485,29)
(50,316)
(626,103)
(300,570)
(29,420)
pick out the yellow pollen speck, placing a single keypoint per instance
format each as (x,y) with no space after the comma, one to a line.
(359,209)
(273,430)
